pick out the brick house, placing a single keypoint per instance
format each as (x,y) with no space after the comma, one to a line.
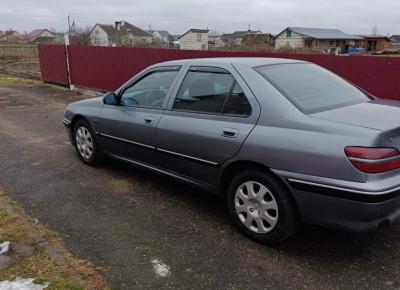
(196,39)
(121,33)
(330,41)
(40,34)
(374,43)
(258,41)
(235,38)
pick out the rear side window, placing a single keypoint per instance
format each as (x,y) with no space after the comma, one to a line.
(211,91)
(237,103)
(311,88)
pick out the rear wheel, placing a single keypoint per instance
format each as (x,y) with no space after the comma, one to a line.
(261,207)
(85,143)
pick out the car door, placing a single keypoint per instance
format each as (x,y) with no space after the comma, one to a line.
(206,123)
(127,129)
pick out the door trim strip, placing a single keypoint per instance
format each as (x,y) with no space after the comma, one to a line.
(160,150)
(127,141)
(187,156)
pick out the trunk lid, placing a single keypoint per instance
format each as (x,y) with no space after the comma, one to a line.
(378,114)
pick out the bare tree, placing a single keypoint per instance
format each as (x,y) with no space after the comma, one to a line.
(81,36)
(374,30)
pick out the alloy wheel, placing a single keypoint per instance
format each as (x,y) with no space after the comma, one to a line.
(84,142)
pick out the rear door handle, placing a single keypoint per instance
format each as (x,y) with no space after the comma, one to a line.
(149,120)
(230,132)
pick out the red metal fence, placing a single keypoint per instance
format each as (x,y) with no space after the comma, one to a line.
(53,63)
(106,68)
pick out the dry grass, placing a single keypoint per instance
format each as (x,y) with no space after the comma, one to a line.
(6,80)
(50,261)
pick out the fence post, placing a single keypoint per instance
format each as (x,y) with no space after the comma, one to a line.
(66,38)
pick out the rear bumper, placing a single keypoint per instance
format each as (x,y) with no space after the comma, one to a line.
(343,207)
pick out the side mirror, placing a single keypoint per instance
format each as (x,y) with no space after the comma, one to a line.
(110,99)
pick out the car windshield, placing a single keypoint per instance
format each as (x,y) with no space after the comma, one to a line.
(311,88)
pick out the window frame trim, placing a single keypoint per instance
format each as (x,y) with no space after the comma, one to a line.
(216,70)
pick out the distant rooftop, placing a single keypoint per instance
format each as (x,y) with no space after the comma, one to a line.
(238,34)
(395,38)
(375,37)
(163,33)
(323,33)
(123,27)
(195,30)
(36,33)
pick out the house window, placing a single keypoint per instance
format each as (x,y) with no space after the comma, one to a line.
(198,36)
(331,42)
(288,33)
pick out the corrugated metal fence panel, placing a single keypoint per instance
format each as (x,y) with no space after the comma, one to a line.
(53,63)
(106,68)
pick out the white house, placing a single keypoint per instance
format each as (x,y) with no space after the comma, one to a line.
(160,35)
(196,39)
(121,33)
(332,41)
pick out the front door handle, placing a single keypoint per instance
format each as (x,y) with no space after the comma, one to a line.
(230,132)
(149,120)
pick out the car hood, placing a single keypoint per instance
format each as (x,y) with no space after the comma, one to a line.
(89,102)
(377,114)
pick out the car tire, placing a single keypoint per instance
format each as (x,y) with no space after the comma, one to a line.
(261,207)
(85,142)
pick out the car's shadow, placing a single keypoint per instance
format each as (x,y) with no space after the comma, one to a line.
(311,243)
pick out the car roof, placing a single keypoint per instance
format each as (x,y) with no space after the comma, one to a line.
(249,61)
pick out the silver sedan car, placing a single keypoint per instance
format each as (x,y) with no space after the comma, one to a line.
(283,141)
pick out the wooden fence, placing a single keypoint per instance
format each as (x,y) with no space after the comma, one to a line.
(10,52)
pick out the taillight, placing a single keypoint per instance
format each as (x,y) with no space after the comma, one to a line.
(373,160)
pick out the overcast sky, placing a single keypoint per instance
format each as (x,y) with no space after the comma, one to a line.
(177,16)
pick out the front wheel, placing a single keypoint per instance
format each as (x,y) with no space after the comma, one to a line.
(261,207)
(85,143)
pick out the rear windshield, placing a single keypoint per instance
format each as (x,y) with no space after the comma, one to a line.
(311,88)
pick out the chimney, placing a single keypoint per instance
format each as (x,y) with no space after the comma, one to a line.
(118,25)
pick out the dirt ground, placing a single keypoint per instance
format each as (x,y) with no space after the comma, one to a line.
(29,69)
(134,224)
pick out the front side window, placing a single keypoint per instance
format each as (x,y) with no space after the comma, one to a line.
(214,92)
(288,33)
(150,91)
(312,88)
